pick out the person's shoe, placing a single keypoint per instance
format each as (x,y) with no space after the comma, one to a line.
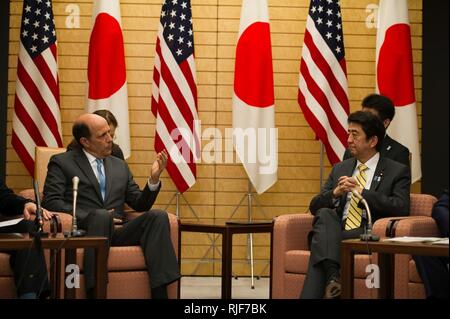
(333,288)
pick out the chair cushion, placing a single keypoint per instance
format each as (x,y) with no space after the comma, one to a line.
(296,261)
(126,258)
(5,269)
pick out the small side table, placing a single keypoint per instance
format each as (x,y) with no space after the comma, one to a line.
(227,230)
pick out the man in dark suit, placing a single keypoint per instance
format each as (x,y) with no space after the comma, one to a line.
(383,107)
(28,265)
(105,185)
(337,212)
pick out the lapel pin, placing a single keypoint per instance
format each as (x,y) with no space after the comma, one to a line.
(388,148)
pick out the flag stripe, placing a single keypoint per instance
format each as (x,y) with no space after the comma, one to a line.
(40,82)
(319,115)
(180,109)
(183,168)
(312,116)
(324,73)
(35,94)
(172,169)
(166,121)
(321,96)
(28,118)
(21,150)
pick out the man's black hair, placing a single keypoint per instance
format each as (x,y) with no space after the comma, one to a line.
(382,104)
(79,130)
(370,124)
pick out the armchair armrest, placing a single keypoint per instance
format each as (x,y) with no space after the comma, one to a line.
(416,226)
(385,227)
(291,231)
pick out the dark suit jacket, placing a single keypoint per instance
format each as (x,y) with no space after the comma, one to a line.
(388,194)
(120,186)
(10,203)
(390,148)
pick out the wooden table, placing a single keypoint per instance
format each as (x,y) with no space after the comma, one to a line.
(227,230)
(57,242)
(386,261)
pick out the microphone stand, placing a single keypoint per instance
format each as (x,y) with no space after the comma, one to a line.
(368,236)
(75,232)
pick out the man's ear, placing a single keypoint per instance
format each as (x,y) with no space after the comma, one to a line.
(386,123)
(373,141)
(84,141)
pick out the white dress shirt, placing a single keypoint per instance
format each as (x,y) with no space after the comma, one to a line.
(370,172)
(92,160)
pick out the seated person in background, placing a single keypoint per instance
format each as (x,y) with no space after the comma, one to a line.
(28,265)
(337,212)
(434,270)
(105,185)
(112,122)
(383,107)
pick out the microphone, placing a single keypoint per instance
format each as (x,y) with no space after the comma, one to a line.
(367,236)
(75,181)
(75,232)
(39,219)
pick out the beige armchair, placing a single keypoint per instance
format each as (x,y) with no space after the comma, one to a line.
(127,272)
(291,253)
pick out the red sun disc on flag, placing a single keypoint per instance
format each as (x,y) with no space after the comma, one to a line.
(394,69)
(106,66)
(253,82)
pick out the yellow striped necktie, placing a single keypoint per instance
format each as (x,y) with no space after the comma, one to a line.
(354,215)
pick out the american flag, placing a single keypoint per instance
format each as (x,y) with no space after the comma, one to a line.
(174,94)
(36,119)
(322,93)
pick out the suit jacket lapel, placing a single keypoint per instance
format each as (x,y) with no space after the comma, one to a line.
(378,175)
(108,174)
(86,167)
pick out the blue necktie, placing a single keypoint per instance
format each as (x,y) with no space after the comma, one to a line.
(101,177)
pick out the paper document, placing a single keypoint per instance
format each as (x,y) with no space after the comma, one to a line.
(442,241)
(10,222)
(407,239)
